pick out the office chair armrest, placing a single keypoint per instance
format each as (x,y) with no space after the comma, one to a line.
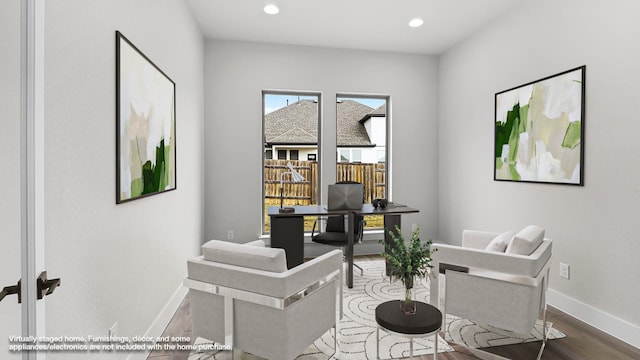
(361,224)
(318,219)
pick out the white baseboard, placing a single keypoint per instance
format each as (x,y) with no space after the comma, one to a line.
(608,323)
(162,320)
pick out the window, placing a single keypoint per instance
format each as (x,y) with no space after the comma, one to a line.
(291,123)
(362,124)
(356,156)
(268,154)
(344,155)
(349,155)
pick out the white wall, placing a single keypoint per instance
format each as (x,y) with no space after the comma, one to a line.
(594,227)
(10,169)
(117,262)
(237,72)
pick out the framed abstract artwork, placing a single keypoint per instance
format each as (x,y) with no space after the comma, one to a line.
(539,130)
(146,125)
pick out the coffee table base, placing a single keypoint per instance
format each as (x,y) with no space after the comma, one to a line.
(411,337)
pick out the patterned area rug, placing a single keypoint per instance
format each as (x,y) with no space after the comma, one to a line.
(357,329)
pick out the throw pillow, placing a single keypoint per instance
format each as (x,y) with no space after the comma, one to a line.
(500,242)
(526,241)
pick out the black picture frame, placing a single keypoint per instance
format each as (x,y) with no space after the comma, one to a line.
(145,125)
(539,130)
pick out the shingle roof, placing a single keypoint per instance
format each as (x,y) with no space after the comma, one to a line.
(380,111)
(293,124)
(297,124)
(350,132)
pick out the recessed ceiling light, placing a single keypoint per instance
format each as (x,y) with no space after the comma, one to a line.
(416,22)
(271,9)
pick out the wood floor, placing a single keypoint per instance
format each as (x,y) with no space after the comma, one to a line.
(581,342)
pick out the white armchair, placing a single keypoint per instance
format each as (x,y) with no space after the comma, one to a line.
(496,279)
(242,295)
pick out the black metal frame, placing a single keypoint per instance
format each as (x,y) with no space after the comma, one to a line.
(583,69)
(121,39)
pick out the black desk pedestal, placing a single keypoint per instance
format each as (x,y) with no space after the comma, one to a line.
(390,223)
(288,233)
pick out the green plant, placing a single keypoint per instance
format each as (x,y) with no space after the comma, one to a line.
(410,262)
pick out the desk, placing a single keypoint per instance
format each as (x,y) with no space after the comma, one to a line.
(287,229)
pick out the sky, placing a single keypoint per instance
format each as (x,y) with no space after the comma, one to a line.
(275,102)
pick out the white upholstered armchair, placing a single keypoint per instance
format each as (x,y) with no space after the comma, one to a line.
(243,296)
(496,279)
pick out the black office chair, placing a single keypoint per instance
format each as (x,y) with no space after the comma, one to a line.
(335,233)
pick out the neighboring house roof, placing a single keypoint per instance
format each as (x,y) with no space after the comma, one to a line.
(297,124)
(293,124)
(297,136)
(350,132)
(381,111)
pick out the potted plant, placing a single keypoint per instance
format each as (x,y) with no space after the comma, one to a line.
(407,263)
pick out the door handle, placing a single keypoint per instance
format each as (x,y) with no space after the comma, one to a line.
(10,290)
(46,286)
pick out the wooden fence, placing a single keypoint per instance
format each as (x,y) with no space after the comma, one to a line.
(372,176)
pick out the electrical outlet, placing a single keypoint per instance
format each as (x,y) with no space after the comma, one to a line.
(414,227)
(564,271)
(113,330)
(229,234)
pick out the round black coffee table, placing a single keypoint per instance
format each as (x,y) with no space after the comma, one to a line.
(426,321)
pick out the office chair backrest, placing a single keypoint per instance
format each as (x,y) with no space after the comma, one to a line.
(335,224)
(345,196)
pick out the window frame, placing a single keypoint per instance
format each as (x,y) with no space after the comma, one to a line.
(388,135)
(318,95)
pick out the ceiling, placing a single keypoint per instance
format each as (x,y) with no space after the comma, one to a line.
(380,25)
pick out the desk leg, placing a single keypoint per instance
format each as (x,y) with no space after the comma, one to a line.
(288,233)
(390,222)
(349,250)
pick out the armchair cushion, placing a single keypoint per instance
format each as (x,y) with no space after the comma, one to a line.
(526,241)
(500,242)
(254,257)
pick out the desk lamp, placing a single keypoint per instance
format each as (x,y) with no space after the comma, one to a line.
(296,177)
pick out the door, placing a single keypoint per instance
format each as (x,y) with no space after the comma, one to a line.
(21,172)
(10,313)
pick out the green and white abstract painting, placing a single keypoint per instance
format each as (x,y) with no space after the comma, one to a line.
(146,141)
(539,130)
